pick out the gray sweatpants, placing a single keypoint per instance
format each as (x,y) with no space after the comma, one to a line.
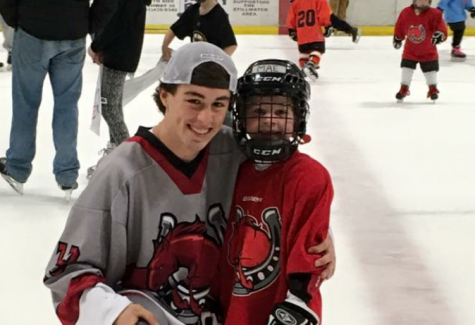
(112,89)
(7,35)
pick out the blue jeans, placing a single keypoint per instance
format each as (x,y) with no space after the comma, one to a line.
(32,60)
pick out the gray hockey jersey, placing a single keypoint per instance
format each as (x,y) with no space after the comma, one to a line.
(142,224)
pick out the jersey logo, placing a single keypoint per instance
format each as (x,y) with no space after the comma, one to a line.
(416,34)
(183,264)
(254,251)
(67,254)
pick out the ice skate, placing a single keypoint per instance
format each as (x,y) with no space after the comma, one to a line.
(457,55)
(433,93)
(9,61)
(310,70)
(402,93)
(104,152)
(16,185)
(355,35)
(68,190)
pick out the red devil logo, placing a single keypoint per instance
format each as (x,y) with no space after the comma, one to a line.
(184,261)
(184,247)
(254,252)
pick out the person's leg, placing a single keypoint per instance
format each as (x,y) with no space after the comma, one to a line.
(317,50)
(459,30)
(343,8)
(29,72)
(340,24)
(66,80)
(112,88)
(430,70)
(310,55)
(407,71)
(334,5)
(7,35)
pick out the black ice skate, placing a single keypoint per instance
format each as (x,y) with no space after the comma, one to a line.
(68,190)
(310,70)
(457,55)
(355,35)
(403,93)
(9,61)
(433,93)
(16,185)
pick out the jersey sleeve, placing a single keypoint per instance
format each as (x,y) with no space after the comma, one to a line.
(291,18)
(324,14)
(399,30)
(182,27)
(92,248)
(309,227)
(227,34)
(441,25)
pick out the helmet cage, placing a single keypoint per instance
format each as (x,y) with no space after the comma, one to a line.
(269,145)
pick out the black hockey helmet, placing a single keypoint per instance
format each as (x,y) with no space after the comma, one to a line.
(262,89)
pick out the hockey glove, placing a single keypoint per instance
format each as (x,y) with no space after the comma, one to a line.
(397,43)
(438,37)
(472,12)
(328,31)
(288,313)
(293,34)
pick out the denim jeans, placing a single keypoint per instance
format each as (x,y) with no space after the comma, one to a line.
(32,60)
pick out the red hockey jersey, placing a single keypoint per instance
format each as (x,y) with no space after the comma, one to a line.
(278,214)
(418,31)
(308,17)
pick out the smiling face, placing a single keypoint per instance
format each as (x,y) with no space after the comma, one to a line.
(269,117)
(194,114)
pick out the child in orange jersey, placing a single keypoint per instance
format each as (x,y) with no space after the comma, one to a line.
(305,21)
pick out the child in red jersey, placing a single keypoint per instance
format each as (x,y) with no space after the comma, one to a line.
(423,28)
(305,21)
(281,204)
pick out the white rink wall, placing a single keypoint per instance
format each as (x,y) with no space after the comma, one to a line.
(381,12)
(266,12)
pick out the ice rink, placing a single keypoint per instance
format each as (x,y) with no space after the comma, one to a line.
(404,175)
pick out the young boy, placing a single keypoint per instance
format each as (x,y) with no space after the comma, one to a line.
(205,21)
(281,204)
(305,21)
(423,28)
(149,218)
(455,16)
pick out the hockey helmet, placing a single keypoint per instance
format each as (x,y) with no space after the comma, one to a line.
(271,110)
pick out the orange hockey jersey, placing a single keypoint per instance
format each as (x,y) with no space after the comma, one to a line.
(308,17)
